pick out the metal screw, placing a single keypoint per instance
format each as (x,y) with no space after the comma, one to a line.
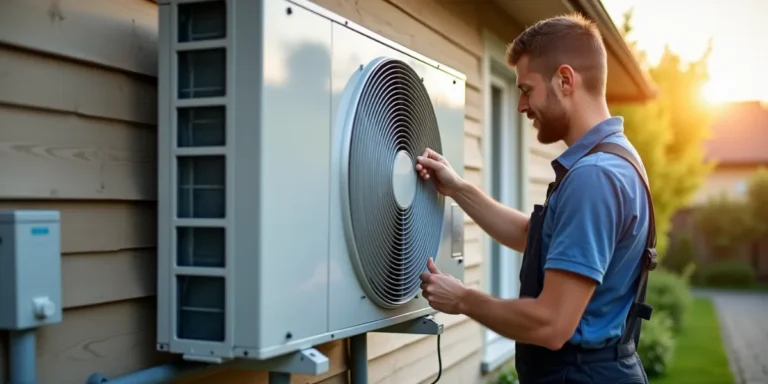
(289,10)
(288,335)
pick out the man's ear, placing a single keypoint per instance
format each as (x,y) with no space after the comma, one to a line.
(566,78)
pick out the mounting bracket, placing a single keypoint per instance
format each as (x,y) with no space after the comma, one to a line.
(358,359)
(311,362)
(307,361)
(426,325)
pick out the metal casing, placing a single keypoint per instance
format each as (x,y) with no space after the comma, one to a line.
(284,279)
(30,269)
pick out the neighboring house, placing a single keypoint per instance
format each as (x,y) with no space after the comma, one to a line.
(78,111)
(739,146)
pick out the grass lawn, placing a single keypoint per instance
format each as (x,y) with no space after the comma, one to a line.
(699,356)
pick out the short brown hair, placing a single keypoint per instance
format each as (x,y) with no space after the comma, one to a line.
(569,39)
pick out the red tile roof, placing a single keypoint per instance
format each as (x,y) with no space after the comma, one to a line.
(739,135)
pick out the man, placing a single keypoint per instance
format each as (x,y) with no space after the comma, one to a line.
(589,247)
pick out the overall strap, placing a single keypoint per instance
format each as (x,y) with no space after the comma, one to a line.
(639,309)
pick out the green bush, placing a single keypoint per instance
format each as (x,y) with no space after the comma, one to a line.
(657,344)
(728,274)
(507,375)
(726,222)
(669,293)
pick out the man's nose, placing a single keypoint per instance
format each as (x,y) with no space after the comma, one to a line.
(522,107)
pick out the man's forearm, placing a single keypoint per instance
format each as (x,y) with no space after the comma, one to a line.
(522,320)
(504,224)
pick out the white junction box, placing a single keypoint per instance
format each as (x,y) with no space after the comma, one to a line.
(30,269)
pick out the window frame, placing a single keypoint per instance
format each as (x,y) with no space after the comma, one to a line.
(512,185)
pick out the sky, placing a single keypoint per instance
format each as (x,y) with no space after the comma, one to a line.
(739,32)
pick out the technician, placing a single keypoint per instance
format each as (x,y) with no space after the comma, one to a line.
(589,247)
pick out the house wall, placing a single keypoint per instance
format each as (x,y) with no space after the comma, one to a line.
(78,117)
(725,178)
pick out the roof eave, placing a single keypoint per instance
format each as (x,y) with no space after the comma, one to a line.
(528,12)
(615,43)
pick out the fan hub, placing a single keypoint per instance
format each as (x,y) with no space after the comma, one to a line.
(403,179)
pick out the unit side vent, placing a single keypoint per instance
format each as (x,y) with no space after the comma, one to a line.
(200,204)
(394,219)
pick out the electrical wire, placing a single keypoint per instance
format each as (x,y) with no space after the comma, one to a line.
(439,361)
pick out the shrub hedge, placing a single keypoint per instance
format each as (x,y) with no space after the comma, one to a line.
(728,274)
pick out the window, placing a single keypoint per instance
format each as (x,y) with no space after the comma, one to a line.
(505,182)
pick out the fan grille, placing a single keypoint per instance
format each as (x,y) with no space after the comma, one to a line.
(396,218)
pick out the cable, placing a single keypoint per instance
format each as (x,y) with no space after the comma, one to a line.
(439,361)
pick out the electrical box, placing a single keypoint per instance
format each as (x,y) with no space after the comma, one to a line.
(30,269)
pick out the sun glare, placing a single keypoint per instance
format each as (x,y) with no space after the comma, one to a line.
(714,94)
(741,88)
(734,65)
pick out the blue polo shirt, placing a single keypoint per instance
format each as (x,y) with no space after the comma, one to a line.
(596,225)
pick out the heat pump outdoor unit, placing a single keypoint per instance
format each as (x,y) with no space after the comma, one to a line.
(290,212)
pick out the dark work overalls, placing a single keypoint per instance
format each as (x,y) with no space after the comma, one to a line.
(572,364)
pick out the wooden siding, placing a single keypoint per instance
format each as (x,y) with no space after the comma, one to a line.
(78,116)
(78,106)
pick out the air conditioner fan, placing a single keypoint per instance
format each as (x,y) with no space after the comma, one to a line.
(393,218)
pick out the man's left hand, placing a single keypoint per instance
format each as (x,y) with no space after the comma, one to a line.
(443,291)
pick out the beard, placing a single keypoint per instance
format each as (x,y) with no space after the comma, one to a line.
(553,120)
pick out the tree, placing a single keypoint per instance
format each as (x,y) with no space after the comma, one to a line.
(669,131)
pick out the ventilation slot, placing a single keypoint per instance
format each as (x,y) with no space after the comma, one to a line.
(202,73)
(200,247)
(395,218)
(202,21)
(202,127)
(201,187)
(201,308)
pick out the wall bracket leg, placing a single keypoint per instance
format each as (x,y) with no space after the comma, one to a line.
(358,359)
(307,361)
(426,325)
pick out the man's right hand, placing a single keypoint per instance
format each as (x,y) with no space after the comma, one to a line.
(432,165)
(504,224)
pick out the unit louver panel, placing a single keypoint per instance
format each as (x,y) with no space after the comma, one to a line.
(395,219)
(201,178)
